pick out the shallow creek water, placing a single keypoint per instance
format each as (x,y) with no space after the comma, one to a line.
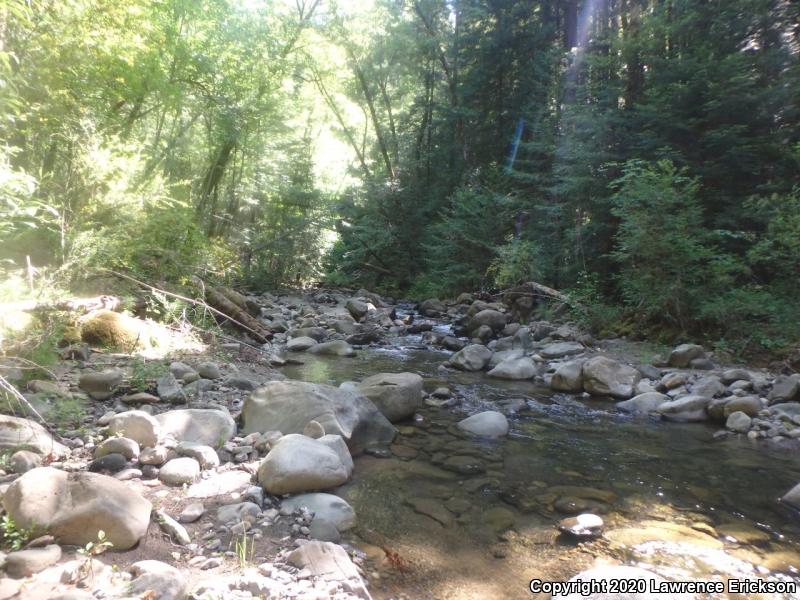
(482,525)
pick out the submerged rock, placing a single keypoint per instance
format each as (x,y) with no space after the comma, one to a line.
(485,424)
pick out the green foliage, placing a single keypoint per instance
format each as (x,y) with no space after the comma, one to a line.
(14,537)
(144,374)
(517,262)
(67,413)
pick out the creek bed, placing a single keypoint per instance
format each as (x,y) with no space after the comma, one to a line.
(471,518)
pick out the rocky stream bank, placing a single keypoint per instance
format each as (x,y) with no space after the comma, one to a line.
(376,449)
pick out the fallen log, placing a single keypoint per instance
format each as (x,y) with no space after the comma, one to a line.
(236,315)
(532,289)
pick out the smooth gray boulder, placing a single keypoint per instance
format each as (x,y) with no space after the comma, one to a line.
(603,376)
(493,319)
(179,471)
(485,424)
(643,403)
(157,580)
(204,426)
(682,356)
(100,385)
(300,344)
(738,422)
(27,562)
(333,348)
(568,377)
(471,358)
(326,507)
(686,409)
(300,464)
(561,349)
(136,425)
(288,406)
(18,433)
(515,368)
(329,562)
(397,395)
(74,507)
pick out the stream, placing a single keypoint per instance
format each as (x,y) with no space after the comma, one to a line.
(474,518)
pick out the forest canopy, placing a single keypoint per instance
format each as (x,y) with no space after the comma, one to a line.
(640,155)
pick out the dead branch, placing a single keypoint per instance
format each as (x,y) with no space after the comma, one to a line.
(532,289)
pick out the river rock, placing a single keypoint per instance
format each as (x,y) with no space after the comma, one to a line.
(568,377)
(139,398)
(603,376)
(493,319)
(119,445)
(561,349)
(23,461)
(730,375)
(792,497)
(709,386)
(157,580)
(357,308)
(501,355)
(433,307)
(206,456)
(749,405)
(192,512)
(169,389)
(333,348)
(204,426)
(738,422)
(300,464)
(288,406)
(485,424)
(785,389)
(584,526)
(515,368)
(682,356)
(73,507)
(236,513)
(326,507)
(329,562)
(179,471)
(471,358)
(109,463)
(336,443)
(101,385)
(172,528)
(300,344)
(685,409)
(27,562)
(397,395)
(209,370)
(182,371)
(136,425)
(643,403)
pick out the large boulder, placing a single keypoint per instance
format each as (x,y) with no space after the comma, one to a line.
(686,409)
(568,377)
(74,507)
(603,376)
(493,319)
(682,356)
(297,463)
(485,424)
(288,406)
(333,348)
(643,403)
(785,389)
(471,358)
(561,349)
(299,344)
(205,426)
(397,395)
(432,307)
(137,425)
(17,433)
(358,308)
(515,368)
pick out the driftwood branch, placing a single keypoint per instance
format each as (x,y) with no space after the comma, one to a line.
(238,316)
(532,289)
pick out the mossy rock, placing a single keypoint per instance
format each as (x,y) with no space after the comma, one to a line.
(114,330)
